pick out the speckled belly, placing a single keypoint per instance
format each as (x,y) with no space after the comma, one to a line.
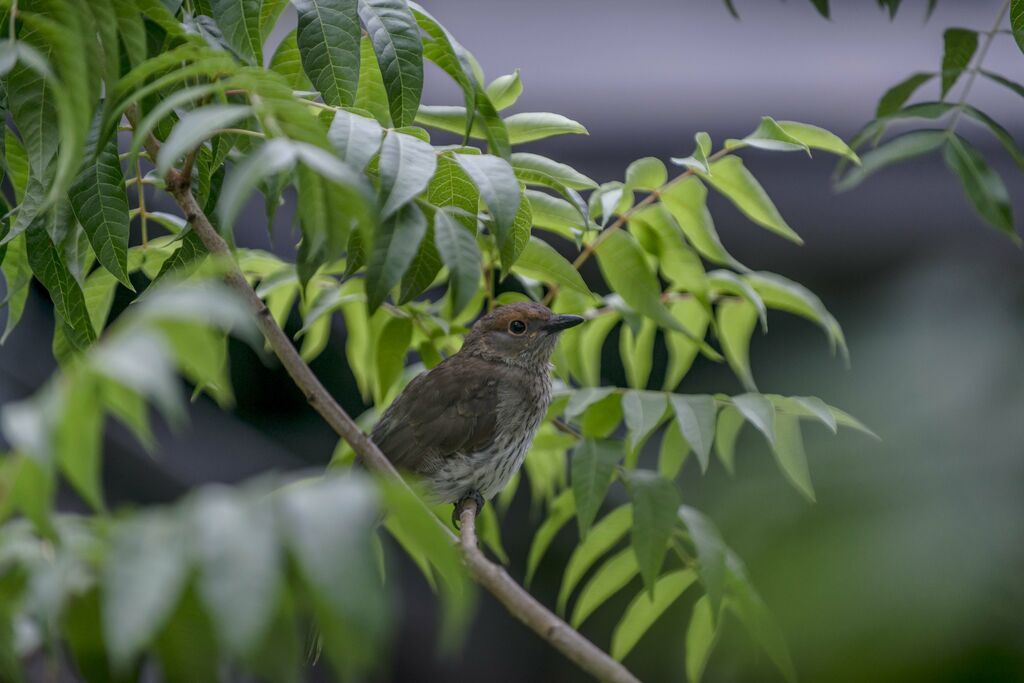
(486,471)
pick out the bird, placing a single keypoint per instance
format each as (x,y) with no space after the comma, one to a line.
(464,427)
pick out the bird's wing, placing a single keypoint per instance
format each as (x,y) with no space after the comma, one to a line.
(450,410)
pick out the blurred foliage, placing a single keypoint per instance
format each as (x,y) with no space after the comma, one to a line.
(409,241)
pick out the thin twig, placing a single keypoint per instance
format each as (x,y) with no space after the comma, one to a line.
(973,75)
(487,574)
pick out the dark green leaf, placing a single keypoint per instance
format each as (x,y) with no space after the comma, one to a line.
(49,267)
(288,62)
(100,203)
(756,617)
(711,552)
(913,144)
(695,416)
(423,270)
(593,465)
(983,185)
(959,46)
(460,253)
(406,166)
(498,186)
(395,244)
(328,39)
(896,96)
(239,20)
(396,42)
(655,503)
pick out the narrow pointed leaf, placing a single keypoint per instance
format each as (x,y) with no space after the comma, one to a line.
(100,203)
(645,609)
(655,503)
(395,243)
(460,253)
(592,467)
(959,46)
(406,166)
(396,42)
(695,416)
(730,177)
(541,261)
(602,537)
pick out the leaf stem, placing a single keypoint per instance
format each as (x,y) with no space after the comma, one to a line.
(141,189)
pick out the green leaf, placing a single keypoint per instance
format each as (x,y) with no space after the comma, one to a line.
(592,468)
(49,268)
(196,126)
(695,416)
(460,253)
(563,173)
(727,432)
(711,553)
(959,46)
(406,167)
(424,268)
(756,617)
(730,177)
(272,157)
(541,261)
(78,440)
(420,534)
(100,203)
(561,510)
(896,96)
(498,186)
(503,91)
(581,399)
(673,451)
(701,635)
(625,269)
(1013,86)
(18,276)
(982,185)
(328,39)
(391,351)
(789,452)
(371,95)
(785,295)
(687,202)
(357,139)
(450,186)
(646,174)
(396,42)
(239,565)
(818,138)
(655,502)
(758,411)
(602,536)
(353,614)
(636,349)
(1017,22)
(287,61)
(698,161)
(682,349)
(239,20)
(522,128)
(913,144)
(645,609)
(395,244)
(530,126)
(519,237)
(770,136)
(612,577)
(736,322)
(143,577)
(643,412)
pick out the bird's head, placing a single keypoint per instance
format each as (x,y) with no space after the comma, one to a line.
(523,333)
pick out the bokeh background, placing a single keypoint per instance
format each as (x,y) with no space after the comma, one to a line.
(910,565)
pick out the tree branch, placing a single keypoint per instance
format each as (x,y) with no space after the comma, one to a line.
(487,574)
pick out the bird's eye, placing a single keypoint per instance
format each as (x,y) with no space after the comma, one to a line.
(517,327)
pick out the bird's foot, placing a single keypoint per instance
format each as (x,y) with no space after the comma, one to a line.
(473,496)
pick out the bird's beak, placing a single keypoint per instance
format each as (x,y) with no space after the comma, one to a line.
(557,323)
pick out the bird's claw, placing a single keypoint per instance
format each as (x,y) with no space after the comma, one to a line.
(473,496)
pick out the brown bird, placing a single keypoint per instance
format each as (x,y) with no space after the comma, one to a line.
(464,427)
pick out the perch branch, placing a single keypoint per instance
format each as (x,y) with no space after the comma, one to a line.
(487,574)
